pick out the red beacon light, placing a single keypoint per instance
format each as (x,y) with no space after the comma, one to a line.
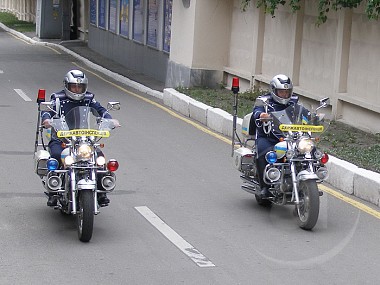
(41,96)
(325,158)
(235,85)
(112,165)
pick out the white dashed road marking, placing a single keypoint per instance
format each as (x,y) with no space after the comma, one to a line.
(22,95)
(176,239)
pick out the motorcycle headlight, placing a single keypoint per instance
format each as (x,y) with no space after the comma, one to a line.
(69,160)
(100,161)
(305,145)
(85,151)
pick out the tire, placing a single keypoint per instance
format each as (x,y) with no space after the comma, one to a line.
(263,202)
(308,209)
(85,215)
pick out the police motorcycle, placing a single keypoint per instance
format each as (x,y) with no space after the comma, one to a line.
(84,171)
(294,167)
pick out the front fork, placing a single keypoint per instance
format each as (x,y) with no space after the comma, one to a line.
(308,174)
(74,193)
(295,196)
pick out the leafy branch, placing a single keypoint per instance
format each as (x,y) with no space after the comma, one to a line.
(372,8)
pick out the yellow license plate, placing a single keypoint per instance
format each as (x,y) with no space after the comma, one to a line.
(83,132)
(301,128)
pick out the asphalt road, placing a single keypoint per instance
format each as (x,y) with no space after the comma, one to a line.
(178,215)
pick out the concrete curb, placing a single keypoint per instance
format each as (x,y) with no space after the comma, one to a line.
(345,176)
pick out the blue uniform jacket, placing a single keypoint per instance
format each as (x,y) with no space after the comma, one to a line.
(66,104)
(273,106)
(265,142)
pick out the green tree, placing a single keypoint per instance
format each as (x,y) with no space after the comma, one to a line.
(372,7)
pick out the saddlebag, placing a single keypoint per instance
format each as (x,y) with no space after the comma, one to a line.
(40,159)
(243,158)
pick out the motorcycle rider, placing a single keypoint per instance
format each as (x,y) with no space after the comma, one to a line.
(279,98)
(74,94)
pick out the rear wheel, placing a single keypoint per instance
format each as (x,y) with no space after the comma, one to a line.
(85,215)
(308,208)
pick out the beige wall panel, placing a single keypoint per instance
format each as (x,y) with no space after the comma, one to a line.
(182,33)
(360,117)
(364,67)
(277,56)
(212,34)
(240,45)
(318,53)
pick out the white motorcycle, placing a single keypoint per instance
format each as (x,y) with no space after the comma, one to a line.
(83,171)
(294,167)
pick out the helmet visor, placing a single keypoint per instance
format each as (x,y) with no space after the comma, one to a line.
(284,93)
(77,88)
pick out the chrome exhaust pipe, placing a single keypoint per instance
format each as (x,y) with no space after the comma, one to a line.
(248,188)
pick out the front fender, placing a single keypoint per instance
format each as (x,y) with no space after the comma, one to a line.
(84,184)
(306,175)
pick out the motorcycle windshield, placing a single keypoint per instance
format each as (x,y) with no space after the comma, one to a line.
(297,118)
(82,121)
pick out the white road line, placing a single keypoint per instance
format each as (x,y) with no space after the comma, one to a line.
(22,95)
(177,240)
(1,71)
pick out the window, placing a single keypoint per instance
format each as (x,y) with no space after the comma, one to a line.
(167,25)
(102,13)
(152,22)
(138,20)
(112,16)
(124,17)
(93,12)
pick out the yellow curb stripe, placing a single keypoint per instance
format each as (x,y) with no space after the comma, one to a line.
(324,188)
(53,49)
(351,201)
(16,37)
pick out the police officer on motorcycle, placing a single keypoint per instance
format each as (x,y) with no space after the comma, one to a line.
(74,94)
(279,98)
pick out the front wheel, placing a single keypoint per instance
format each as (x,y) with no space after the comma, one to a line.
(85,215)
(308,208)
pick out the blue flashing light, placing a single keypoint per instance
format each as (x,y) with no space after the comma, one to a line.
(52,164)
(271,157)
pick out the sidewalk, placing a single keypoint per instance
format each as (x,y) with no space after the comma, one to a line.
(344,176)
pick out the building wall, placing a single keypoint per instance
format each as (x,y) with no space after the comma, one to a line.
(213,41)
(134,56)
(338,59)
(200,37)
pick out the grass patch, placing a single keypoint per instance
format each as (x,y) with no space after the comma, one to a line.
(340,140)
(223,99)
(12,22)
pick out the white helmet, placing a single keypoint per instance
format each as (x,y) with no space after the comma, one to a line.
(75,84)
(281,82)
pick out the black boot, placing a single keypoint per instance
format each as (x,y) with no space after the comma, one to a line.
(52,200)
(103,200)
(264,193)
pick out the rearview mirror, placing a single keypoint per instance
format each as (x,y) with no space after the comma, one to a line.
(113,106)
(324,102)
(46,106)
